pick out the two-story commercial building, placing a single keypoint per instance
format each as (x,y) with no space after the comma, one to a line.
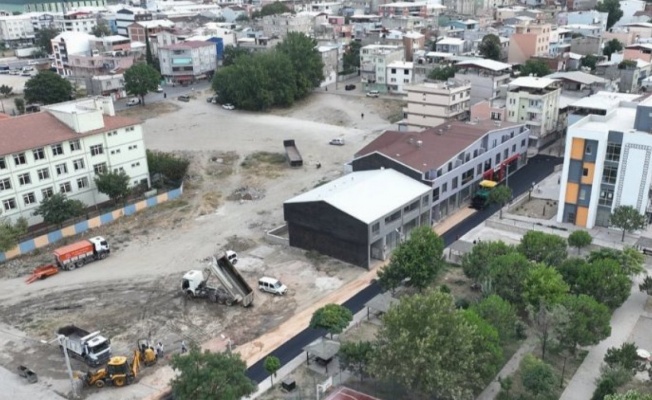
(61,149)
(187,62)
(399,76)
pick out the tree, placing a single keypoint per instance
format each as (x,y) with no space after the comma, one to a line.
(537,377)
(149,56)
(332,317)
(20,105)
(486,345)
(355,357)
(630,395)
(272,364)
(427,345)
(588,322)
(242,18)
(44,38)
(612,46)
(507,274)
(10,233)
(47,87)
(625,356)
(546,320)
(490,47)
(579,240)
(351,57)
(113,184)
(613,8)
(419,259)
(208,376)
(500,195)
(306,60)
(141,79)
(500,314)
(102,29)
(170,166)
(475,262)
(535,68)
(271,9)
(590,61)
(543,247)
(604,280)
(544,284)
(630,260)
(442,73)
(627,218)
(231,53)
(6,90)
(57,209)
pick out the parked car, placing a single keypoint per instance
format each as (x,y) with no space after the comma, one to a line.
(159,89)
(26,73)
(373,93)
(211,99)
(228,106)
(337,142)
(184,97)
(349,87)
(14,72)
(134,101)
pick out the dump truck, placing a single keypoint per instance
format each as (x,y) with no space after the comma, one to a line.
(77,254)
(234,289)
(480,199)
(292,153)
(89,347)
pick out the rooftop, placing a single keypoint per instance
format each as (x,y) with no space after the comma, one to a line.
(403,4)
(486,64)
(164,23)
(401,64)
(190,44)
(533,82)
(604,100)
(577,76)
(620,119)
(435,149)
(451,41)
(363,195)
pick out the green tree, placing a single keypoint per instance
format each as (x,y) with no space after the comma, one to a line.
(544,284)
(606,386)
(579,240)
(44,38)
(57,209)
(590,61)
(351,56)
(272,364)
(486,345)
(630,395)
(500,314)
(427,345)
(630,260)
(271,9)
(149,56)
(208,376)
(242,18)
(306,60)
(537,377)
(168,166)
(612,46)
(10,233)
(442,73)
(627,218)
(613,8)
(47,87)
(419,259)
(603,279)
(231,53)
(20,105)
(355,357)
(543,247)
(141,79)
(625,356)
(507,275)
(6,90)
(475,262)
(588,322)
(102,29)
(535,67)
(546,320)
(500,195)
(113,184)
(490,47)
(334,318)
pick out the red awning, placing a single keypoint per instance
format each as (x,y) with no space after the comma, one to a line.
(183,78)
(511,159)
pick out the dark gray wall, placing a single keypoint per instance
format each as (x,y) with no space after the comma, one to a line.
(643,121)
(593,144)
(375,161)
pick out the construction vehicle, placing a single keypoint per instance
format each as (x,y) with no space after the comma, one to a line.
(292,153)
(118,372)
(91,348)
(148,355)
(79,253)
(234,290)
(480,199)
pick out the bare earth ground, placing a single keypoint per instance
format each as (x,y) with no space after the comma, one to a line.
(135,292)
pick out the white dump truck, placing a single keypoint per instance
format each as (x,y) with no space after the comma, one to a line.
(89,347)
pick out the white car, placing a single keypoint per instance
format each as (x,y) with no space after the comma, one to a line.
(134,101)
(373,93)
(228,106)
(337,142)
(159,89)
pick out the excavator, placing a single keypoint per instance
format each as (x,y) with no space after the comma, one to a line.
(119,371)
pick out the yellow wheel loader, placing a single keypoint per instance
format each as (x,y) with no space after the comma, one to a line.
(148,355)
(118,372)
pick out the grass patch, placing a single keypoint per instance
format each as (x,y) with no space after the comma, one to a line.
(262,157)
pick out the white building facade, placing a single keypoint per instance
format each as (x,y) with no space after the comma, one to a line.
(14,28)
(374,60)
(187,61)
(399,76)
(431,104)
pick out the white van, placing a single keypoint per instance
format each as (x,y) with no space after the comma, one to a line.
(272,285)
(232,256)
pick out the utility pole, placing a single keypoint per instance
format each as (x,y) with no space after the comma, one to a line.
(62,342)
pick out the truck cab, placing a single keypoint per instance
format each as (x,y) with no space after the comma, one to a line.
(100,245)
(192,281)
(232,256)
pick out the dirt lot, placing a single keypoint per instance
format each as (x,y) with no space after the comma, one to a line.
(233,195)
(536,208)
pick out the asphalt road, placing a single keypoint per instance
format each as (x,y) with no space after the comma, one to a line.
(172,93)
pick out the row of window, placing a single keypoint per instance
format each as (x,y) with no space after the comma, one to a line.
(30,198)
(375,228)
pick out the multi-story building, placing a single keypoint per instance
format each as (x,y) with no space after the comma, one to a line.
(451,45)
(280,25)
(535,101)
(188,61)
(146,30)
(607,164)
(107,85)
(41,20)
(592,17)
(629,73)
(399,76)
(330,55)
(487,77)
(638,51)
(49,6)
(61,150)
(586,45)
(460,7)
(77,22)
(127,16)
(404,9)
(374,60)
(451,158)
(430,104)
(16,30)
(527,41)
(66,44)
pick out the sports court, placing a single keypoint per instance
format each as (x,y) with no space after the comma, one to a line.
(344,393)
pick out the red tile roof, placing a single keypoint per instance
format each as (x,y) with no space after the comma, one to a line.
(438,145)
(40,129)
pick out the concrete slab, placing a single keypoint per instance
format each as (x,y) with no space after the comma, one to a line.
(641,333)
(548,188)
(262,251)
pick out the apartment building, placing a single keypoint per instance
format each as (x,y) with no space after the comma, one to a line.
(67,43)
(535,101)
(61,149)
(187,61)
(403,9)
(399,76)
(42,20)
(77,22)
(527,41)
(374,59)
(143,30)
(607,164)
(452,45)
(49,6)
(629,74)
(486,77)
(16,30)
(430,104)
(460,7)
(280,25)
(127,16)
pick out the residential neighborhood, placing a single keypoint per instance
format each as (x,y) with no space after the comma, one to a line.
(326,199)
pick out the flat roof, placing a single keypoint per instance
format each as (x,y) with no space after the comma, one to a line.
(193,44)
(604,100)
(401,64)
(621,119)
(451,40)
(363,195)
(486,64)
(577,76)
(534,82)
(403,4)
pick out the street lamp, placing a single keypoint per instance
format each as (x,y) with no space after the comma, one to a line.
(62,342)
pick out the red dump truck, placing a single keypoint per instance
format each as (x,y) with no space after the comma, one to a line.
(77,254)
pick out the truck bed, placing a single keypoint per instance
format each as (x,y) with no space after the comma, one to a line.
(73,332)
(232,281)
(293,155)
(74,249)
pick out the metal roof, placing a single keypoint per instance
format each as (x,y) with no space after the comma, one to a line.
(486,64)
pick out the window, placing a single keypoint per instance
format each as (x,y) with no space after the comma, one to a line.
(47,193)
(61,169)
(5,184)
(393,217)
(582,194)
(82,183)
(74,145)
(609,175)
(99,168)
(78,164)
(39,154)
(118,170)
(523,143)
(65,187)
(134,165)
(3,163)
(606,197)
(585,172)
(613,152)
(444,187)
(29,198)
(133,147)
(588,150)
(43,174)
(19,159)
(454,184)
(467,176)
(57,149)
(24,179)
(513,148)
(116,151)
(97,149)
(375,228)
(9,204)
(411,207)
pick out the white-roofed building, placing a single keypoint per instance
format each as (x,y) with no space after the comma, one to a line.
(354,219)
(487,77)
